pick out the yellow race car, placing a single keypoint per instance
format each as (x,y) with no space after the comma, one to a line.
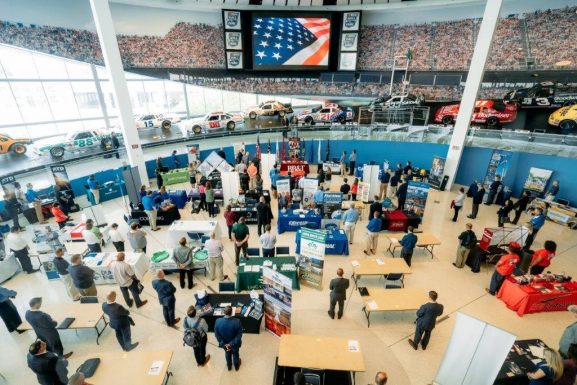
(565,118)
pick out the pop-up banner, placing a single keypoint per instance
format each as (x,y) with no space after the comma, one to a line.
(312,258)
(436,173)
(332,201)
(277,301)
(417,193)
(61,178)
(310,185)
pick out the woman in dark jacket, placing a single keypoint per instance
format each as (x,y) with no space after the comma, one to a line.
(520,206)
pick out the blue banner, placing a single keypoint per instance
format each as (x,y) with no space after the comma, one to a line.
(498,165)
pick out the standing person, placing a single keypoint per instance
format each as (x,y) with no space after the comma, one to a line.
(338,287)
(467,240)
(209,197)
(473,189)
(345,188)
(115,145)
(569,367)
(159,164)
(182,256)
(228,333)
(125,277)
(175,160)
(352,162)
(94,187)
(381,378)
(553,191)
(273,173)
(159,179)
(385,177)
(59,215)
(342,162)
(240,235)
(230,220)
(318,197)
(192,173)
(166,290)
(373,229)
(542,258)
(477,200)
(375,207)
(11,206)
(214,247)
(64,198)
(407,170)
(503,213)
(355,189)
(240,168)
(150,210)
(50,369)
(202,191)
(408,243)
(263,214)
(569,336)
(92,240)
(350,219)
(504,268)
(119,321)
(137,238)
(494,190)
(252,171)
(196,324)
(62,266)
(549,371)
(268,242)
(426,321)
(82,276)
(537,221)
(520,206)
(116,238)
(402,194)
(32,197)
(45,327)
(8,311)
(457,203)
(19,246)
(393,183)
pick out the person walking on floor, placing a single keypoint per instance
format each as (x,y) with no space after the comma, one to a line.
(19,246)
(373,228)
(252,170)
(197,327)
(50,369)
(338,294)
(477,200)
(268,242)
(32,197)
(120,321)
(94,187)
(426,321)
(494,189)
(393,183)
(520,206)
(165,291)
(352,162)
(116,238)
(11,206)
(150,210)
(350,219)
(137,238)
(8,311)
(457,203)
(62,266)
(467,240)
(82,276)
(45,327)
(175,161)
(536,223)
(230,220)
(214,248)
(228,333)
(504,267)
(240,235)
(263,215)
(342,163)
(355,189)
(408,243)
(125,277)
(182,256)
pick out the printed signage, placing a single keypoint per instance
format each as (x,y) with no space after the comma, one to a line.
(232,20)
(331,202)
(312,258)
(61,178)
(416,201)
(436,173)
(277,301)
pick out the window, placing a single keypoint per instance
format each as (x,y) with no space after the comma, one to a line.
(87,99)
(83,135)
(213,117)
(325,110)
(50,67)
(266,107)
(61,99)
(18,64)
(10,112)
(32,102)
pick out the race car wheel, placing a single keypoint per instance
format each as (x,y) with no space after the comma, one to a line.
(197,130)
(568,126)
(447,120)
(309,121)
(252,115)
(166,124)
(18,149)
(230,126)
(281,113)
(492,122)
(106,144)
(57,152)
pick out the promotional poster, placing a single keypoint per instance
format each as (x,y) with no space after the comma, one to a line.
(498,165)
(436,173)
(61,178)
(294,147)
(7,183)
(417,193)
(312,258)
(331,202)
(277,301)
(537,179)
(310,186)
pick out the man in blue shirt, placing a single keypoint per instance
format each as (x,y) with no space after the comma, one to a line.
(175,160)
(373,229)
(350,219)
(228,333)
(150,210)
(32,197)
(385,178)
(352,162)
(537,221)
(273,178)
(409,241)
(94,188)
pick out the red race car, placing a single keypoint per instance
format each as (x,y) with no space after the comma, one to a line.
(493,113)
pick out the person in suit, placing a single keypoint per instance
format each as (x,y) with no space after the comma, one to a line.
(375,207)
(338,287)
(477,200)
(402,194)
(426,320)
(520,206)
(381,378)
(263,214)
(50,369)
(166,290)
(228,333)
(45,327)
(408,243)
(119,320)
(8,311)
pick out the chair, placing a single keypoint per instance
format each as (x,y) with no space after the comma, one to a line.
(397,280)
(89,299)
(331,227)
(295,206)
(195,238)
(204,238)
(282,250)
(226,287)
(253,252)
(314,376)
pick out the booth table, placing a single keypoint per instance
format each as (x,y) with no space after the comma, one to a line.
(396,220)
(178,197)
(135,367)
(249,324)
(249,213)
(557,213)
(163,217)
(291,221)
(334,167)
(516,366)
(199,262)
(400,299)
(86,316)
(537,297)
(296,168)
(425,240)
(179,175)
(101,263)
(180,229)
(253,194)
(336,243)
(378,266)
(249,280)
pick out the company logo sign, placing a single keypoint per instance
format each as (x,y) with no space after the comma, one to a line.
(234,59)
(351,19)
(233,19)
(349,41)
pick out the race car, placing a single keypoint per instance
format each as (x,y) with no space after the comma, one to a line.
(14,145)
(329,113)
(565,118)
(156,120)
(270,108)
(490,112)
(543,95)
(213,121)
(395,101)
(79,140)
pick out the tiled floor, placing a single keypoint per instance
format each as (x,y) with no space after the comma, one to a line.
(384,344)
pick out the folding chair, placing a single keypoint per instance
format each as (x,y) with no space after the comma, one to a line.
(282,251)
(253,252)
(314,376)
(195,238)
(396,279)
(89,299)
(224,287)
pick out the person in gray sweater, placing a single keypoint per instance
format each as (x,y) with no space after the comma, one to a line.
(182,256)
(137,238)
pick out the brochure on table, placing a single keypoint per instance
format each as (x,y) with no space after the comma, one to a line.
(537,179)
(312,257)
(417,193)
(310,186)
(277,301)
(436,173)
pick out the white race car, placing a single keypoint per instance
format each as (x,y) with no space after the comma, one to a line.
(164,121)
(77,141)
(213,121)
(328,113)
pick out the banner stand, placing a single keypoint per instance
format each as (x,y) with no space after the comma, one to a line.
(312,258)
(277,301)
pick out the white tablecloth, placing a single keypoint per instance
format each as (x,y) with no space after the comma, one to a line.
(101,263)
(169,264)
(8,267)
(179,229)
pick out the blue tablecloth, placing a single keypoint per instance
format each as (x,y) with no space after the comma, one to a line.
(178,197)
(359,172)
(337,243)
(290,221)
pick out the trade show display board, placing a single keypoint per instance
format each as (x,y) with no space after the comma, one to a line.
(310,185)
(332,201)
(437,170)
(336,243)
(249,272)
(230,184)
(277,301)
(417,193)
(537,179)
(498,165)
(312,257)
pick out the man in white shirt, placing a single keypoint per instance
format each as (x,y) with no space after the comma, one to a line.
(116,238)
(126,279)
(19,246)
(214,248)
(267,243)
(91,239)
(240,168)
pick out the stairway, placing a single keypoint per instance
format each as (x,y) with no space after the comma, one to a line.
(529,60)
(431,46)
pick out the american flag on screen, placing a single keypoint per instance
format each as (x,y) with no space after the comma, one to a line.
(291,41)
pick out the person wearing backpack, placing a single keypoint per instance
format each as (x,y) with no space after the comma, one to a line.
(195,335)
(467,240)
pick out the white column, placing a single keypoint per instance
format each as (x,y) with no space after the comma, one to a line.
(474,79)
(111,54)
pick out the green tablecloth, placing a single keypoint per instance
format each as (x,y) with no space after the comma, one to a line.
(253,280)
(179,175)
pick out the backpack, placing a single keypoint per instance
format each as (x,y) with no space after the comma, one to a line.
(192,336)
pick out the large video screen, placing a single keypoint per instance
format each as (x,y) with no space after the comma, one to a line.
(290,42)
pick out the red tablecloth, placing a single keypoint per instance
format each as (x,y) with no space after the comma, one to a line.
(397,220)
(526,299)
(295,168)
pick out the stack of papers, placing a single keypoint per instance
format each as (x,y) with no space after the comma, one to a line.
(267,263)
(380,261)
(355,263)
(155,368)
(354,346)
(288,267)
(372,304)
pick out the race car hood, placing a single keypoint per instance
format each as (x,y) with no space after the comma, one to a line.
(22,140)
